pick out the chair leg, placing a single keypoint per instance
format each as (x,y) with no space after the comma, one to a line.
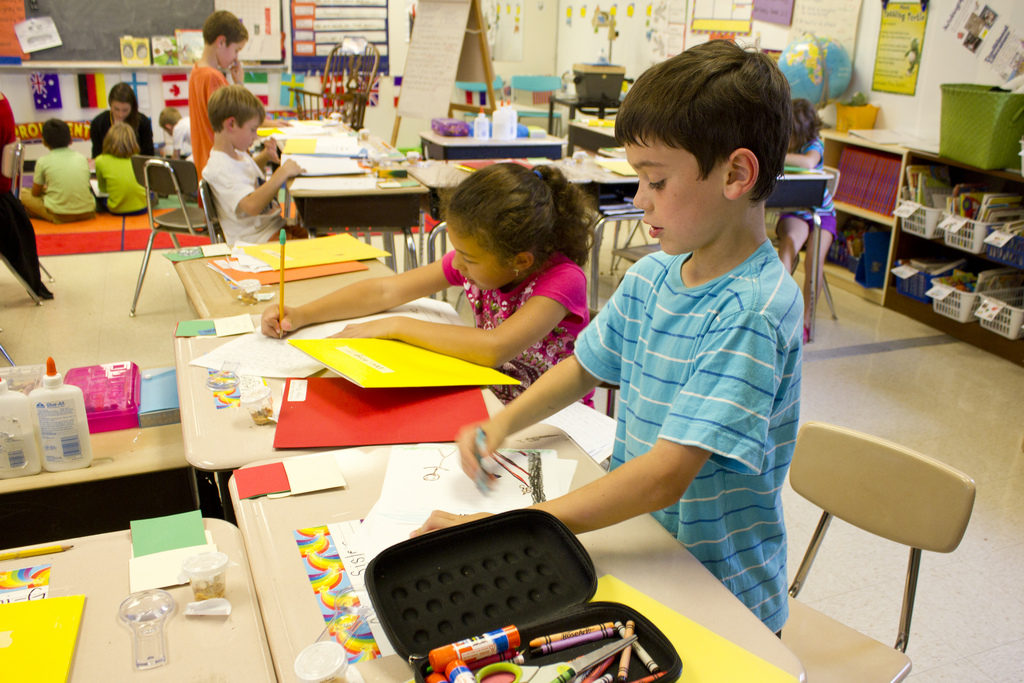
(142,272)
(411,259)
(5,354)
(17,276)
(828,297)
(174,239)
(48,276)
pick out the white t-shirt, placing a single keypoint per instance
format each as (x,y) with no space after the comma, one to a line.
(232,180)
(182,137)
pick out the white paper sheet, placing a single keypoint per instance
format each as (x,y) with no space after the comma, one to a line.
(592,430)
(324,165)
(332,183)
(159,570)
(232,325)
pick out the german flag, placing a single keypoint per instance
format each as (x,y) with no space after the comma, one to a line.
(92,91)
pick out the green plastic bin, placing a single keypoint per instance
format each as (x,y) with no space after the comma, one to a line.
(981,126)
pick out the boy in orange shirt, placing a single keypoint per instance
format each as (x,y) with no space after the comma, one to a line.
(224,36)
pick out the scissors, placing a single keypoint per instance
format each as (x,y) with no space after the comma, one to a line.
(558,672)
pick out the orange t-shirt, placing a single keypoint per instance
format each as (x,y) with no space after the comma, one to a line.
(202,83)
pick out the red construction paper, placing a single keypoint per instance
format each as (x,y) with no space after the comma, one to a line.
(336,413)
(261,480)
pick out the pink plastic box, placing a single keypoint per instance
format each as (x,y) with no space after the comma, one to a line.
(112,392)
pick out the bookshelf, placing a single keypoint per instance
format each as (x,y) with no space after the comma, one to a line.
(906,245)
(871,175)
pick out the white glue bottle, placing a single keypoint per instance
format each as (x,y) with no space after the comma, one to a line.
(503,125)
(481,126)
(63,424)
(19,445)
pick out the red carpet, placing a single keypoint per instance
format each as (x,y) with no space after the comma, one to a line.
(100,234)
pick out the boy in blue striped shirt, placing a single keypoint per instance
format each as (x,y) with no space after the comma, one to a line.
(703,338)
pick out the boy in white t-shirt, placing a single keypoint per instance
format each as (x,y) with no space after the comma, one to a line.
(246,200)
(177,126)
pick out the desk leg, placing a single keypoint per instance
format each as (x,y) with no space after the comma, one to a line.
(411,260)
(287,203)
(551,116)
(813,269)
(210,493)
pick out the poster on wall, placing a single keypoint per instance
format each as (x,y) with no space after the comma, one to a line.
(835,19)
(971,22)
(505,29)
(262,19)
(722,16)
(898,55)
(319,25)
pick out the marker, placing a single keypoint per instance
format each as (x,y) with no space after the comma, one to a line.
(566,643)
(472,649)
(624,657)
(32,552)
(280,295)
(545,640)
(485,463)
(645,657)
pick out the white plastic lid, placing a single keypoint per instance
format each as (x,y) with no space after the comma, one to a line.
(205,564)
(320,661)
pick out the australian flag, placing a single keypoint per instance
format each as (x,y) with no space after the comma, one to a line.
(45,90)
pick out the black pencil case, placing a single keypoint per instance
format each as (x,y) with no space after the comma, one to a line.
(522,568)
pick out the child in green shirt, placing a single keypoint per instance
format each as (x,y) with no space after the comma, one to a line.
(60,187)
(115,174)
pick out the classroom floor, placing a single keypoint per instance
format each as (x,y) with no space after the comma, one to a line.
(872,370)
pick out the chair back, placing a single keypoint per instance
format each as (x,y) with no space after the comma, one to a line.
(882,487)
(170,177)
(480,88)
(349,76)
(11,162)
(540,87)
(210,211)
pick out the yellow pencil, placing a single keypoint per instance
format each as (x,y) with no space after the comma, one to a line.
(32,552)
(280,294)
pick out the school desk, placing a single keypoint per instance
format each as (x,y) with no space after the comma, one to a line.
(639,551)
(441,147)
(582,134)
(211,295)
(228,648)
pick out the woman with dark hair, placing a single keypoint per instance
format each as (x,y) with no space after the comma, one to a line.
(123,107)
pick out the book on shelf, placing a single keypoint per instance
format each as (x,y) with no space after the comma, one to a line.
(165,50)
(190,45)
(134,51)
(868,179)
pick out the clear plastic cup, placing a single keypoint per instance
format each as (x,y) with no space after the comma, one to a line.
(322,662)
(207,572)
(248,289)
(259,403)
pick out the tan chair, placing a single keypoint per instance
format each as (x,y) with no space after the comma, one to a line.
(888,490)
(349,74)
(172,178)
(210,212)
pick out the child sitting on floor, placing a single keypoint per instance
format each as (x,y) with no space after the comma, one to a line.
(60,186)
(115,175)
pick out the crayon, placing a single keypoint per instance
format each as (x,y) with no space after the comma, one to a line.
(599,670)
(547,640)
(649,679)
(624,658)
(509,655)
(472,649)
(565,644)
(607,678)
(645,657)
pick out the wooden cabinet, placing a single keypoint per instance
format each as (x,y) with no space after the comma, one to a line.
(906,245)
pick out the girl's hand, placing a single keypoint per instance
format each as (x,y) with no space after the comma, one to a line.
(385,328)
(439,519)
(272,327)
(469,450)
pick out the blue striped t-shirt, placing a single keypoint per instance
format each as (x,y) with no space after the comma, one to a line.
(718,367)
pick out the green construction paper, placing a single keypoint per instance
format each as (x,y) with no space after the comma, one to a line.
(170,532)
(195,328)
(184,254)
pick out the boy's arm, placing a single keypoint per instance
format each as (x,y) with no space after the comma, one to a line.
(254,203)
(491,348)
(808,160)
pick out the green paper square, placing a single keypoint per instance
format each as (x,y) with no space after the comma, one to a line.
(170,532)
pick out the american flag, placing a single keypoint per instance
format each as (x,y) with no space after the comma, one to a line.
(45,90)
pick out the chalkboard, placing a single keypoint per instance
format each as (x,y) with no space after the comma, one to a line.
(91,30)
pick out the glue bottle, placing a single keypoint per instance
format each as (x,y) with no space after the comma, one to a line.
(504,122)
(19,444)
(481,126)
(63,423)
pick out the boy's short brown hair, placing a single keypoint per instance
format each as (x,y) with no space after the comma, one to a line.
(120,141)
(224,23)
(56,133)
(710,100)
(169,117)
(236,101)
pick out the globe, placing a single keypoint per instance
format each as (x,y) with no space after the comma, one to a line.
(809,63)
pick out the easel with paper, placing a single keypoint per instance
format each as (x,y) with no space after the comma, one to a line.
(448,43)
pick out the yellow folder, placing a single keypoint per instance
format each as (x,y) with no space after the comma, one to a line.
(38,637)
(390,363)
(300,146)
(316,252)
(620,166)
(707,656)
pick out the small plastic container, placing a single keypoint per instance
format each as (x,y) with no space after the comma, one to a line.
(112,393)
(23,378)
(247,291)
(207,573)
(225,379)
(322,662)
(259,403)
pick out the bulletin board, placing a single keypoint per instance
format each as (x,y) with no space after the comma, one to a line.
(319,25)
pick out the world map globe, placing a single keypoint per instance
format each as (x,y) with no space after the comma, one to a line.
(811,64)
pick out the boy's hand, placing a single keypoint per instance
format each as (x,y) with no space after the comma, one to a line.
(237,74)
(272,327)
(272,150)
(289,169)
(439,519)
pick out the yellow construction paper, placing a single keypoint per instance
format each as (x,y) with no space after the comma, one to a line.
(390,363)
(620,166)
(706,655)
(267,132)
(300,146)
(316,252)
(43,634)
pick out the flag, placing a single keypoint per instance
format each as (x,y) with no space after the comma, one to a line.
(175,90)
(92,91)
(141,89)
(45,90)
(289,81)
(257,84)
(398,88)
(374,98)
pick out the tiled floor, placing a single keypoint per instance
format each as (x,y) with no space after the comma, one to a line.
(873,370)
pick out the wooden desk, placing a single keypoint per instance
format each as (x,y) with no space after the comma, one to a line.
(639,551)
(228,648)
(592,138)
(212,297)
(440,147)
(601,104)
